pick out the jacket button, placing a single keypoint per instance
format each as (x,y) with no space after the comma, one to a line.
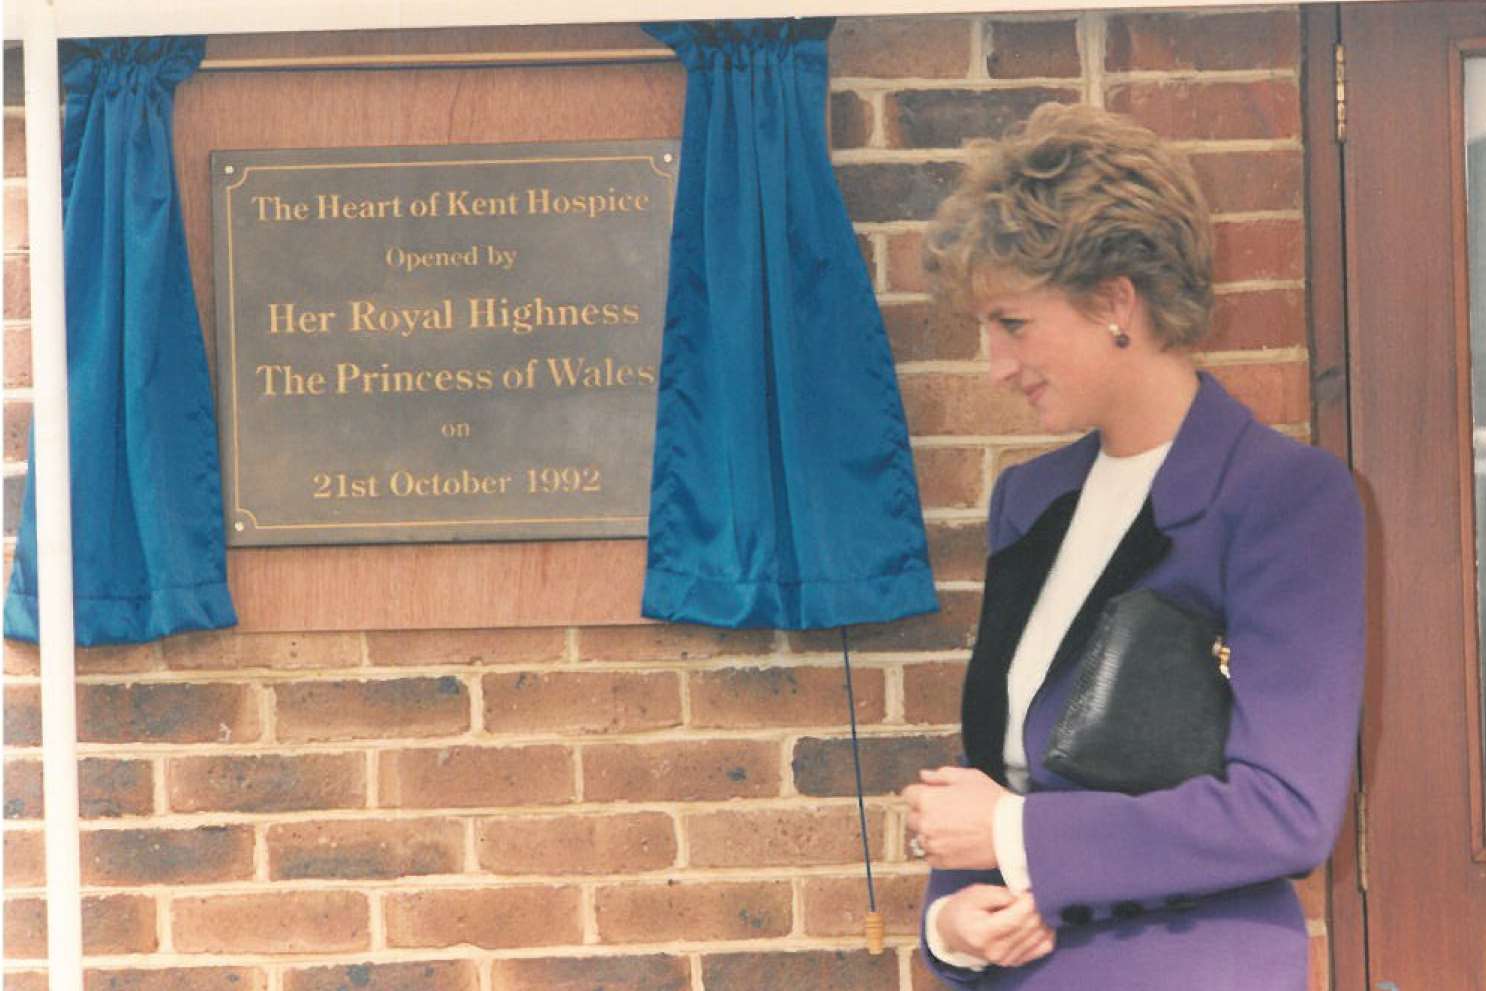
(1077,915)
(1127,910)
(1181,903)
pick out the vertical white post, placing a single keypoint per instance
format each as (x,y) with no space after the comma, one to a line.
(53,499)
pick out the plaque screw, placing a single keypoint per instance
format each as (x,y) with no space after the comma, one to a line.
(238,526)
(668,157)
(230,169)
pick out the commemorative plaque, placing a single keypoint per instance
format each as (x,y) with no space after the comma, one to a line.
(439,343)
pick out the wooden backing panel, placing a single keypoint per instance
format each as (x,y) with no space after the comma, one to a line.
(1426,902)
(420,586)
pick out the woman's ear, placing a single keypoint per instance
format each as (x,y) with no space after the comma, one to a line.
(1117,300)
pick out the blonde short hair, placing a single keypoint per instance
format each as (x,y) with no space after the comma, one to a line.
(1069,199)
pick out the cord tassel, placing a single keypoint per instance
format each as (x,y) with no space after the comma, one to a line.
(875,927)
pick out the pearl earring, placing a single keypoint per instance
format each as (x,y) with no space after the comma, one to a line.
(1121,339)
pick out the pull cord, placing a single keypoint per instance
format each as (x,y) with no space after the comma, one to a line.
(874,922)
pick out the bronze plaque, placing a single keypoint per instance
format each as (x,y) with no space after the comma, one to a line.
(440,343)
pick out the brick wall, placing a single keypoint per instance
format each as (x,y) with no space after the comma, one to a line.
(649,808)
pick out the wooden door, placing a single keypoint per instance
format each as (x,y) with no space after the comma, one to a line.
(1424,828)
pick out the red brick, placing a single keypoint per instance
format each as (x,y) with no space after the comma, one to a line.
(167,713)
(429,975)
(361,710)
(177,979)
(520,646)
(669,641)
(922,978)
(905,267)
(22,716)
(1277,393)
(266,783)
(869,256)
(931,692)
(365,849)
(1266,318)
(1239,181)
(1268,108)
(464,777)
(1011,456)
(950,477)
(851,120)
(947,118)
(824,767)
(838,906)
(22,658)
(24,980)
(581,702)
(15,144)
(23,798)
(221,650)
(18,357)
(492,918)
(1184,41)
(818,970)
(883,191)
(1019,49)
(167,856)
(930,331)
(282,922)
(950,403)
(590,844)
(17,430)
(17,234)
(901,47)
(112,924)
(713,910)
(17,267)
(1259,249)
(689,771)
(780,837)
(783,696)
(951,628)
(25,859)
(957,551)
(632,973)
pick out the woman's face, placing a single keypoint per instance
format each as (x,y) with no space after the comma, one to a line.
(1055,355)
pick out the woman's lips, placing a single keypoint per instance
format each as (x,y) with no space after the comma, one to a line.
(1034,392)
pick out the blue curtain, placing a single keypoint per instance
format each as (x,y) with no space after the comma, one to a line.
(783,492)
(148,544)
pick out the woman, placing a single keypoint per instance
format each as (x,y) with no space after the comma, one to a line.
(1083,246)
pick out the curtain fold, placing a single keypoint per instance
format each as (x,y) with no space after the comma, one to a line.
(783,492)
(148,545)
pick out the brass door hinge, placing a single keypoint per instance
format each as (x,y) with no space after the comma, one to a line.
(1340,59)
(1362,840)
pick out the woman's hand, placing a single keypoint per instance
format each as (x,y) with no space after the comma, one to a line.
(995,924)
(952,814)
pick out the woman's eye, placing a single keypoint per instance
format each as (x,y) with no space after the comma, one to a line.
(1011,325)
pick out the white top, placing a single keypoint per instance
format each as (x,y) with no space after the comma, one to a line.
(1112,495)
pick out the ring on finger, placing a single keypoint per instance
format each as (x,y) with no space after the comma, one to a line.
(916,846)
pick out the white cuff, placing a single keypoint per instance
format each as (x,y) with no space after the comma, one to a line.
(942,953)
(1011,849)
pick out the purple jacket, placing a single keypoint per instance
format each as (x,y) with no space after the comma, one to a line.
(1185,888)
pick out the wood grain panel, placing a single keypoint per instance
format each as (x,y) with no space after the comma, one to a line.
(1426,895)
(421,586)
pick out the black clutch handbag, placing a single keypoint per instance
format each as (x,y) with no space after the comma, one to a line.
(1150,702)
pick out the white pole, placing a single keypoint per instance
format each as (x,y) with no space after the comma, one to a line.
(53,500)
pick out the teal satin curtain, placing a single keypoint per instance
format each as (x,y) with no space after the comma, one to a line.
(783,492)
(148,544)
